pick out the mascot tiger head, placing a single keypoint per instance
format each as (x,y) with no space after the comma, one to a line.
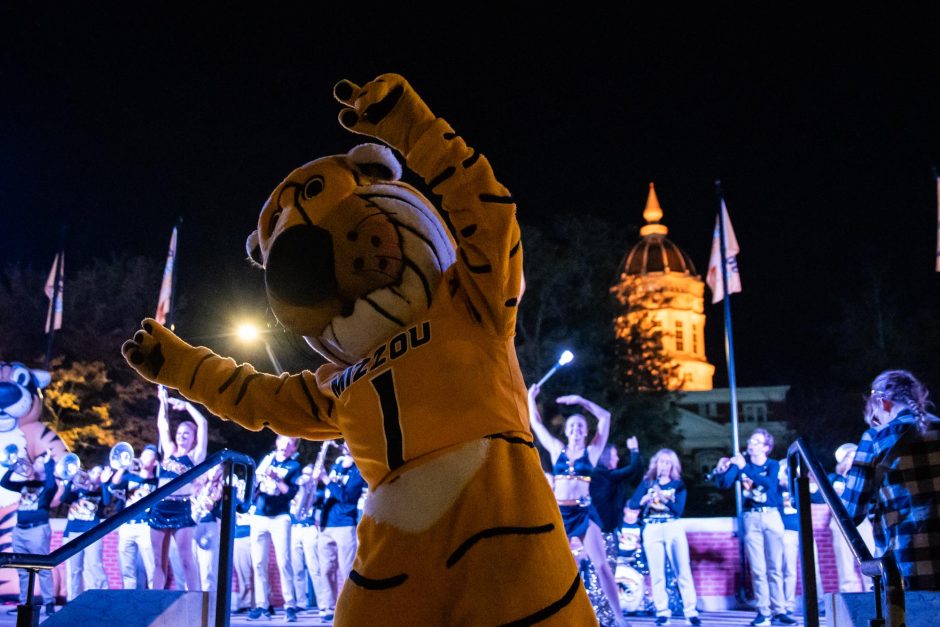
(350,253)
(20,395)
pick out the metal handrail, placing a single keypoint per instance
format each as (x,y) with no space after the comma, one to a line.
(28,616)
(884,571)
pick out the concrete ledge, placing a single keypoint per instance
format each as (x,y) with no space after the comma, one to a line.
(136,608)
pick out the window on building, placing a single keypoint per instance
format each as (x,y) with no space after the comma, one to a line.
(680,339)
(694,339)
(754,412)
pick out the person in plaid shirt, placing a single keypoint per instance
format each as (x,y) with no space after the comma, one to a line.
(898,465)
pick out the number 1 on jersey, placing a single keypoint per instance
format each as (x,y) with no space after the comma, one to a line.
(384,385)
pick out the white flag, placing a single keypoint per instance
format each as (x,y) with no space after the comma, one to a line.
(54,320)
(713,278)
(166,287)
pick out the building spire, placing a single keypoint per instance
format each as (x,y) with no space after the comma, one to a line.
(653,213)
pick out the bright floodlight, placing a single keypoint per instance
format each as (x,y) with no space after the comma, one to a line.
(248,332)
(565,358)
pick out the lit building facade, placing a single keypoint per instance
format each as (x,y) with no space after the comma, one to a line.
(658,287)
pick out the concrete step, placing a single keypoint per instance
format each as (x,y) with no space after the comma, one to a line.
(855,609)
(136,608)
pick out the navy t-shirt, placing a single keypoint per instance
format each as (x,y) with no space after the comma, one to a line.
(669,507)
(341,497)
(35,496)
(269,501)
(760,484)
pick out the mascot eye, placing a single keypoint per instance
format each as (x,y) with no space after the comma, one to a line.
(313,187)
(21,376)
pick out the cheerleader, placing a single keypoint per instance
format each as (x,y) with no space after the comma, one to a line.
(172,517)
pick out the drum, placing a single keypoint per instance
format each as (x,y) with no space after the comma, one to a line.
(631,586)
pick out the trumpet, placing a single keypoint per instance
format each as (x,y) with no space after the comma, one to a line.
(122,457)
(11,458)
(68,466)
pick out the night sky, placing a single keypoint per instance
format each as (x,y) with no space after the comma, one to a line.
(822,128)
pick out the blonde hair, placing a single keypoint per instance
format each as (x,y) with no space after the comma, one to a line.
(675,473)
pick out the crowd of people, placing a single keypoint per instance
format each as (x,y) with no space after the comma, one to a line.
(307,513)
(888,483)
(614,515)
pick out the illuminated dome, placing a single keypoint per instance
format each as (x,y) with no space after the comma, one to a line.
(656,253)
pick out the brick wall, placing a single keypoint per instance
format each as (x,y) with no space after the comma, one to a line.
(712,544)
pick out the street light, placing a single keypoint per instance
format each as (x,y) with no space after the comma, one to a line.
(566,357)
(248,332)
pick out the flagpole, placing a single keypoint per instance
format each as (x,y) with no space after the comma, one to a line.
(56,289)
(732,383)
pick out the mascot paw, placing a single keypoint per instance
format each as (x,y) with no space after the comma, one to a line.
(146,351)
(386,108)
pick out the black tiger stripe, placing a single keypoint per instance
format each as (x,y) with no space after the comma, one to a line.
(277,390)
(480,269)
(469,161)
(377,584)
(549,610)
(474,311)
(192,380)
(391,218)
(329,407)
(515,248)
(313,406)
(231,378)
(443,176)
(424,280)
(244,388)
(47,431)
(494,532)
(468,231)
(512,302)
(511,439)
(385,314)
(500,200)
(449,135)
(423,238)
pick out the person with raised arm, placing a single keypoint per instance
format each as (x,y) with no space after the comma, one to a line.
(172,517)
(572,465)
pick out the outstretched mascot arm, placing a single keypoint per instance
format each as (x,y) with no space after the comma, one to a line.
(289,404)
(489,253)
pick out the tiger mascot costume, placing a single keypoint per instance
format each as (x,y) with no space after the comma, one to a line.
(20,411)
(461,527)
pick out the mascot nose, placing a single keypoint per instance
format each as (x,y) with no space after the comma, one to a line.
(299,269)
(10,393)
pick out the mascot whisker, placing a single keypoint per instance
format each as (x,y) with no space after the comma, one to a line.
(417,322)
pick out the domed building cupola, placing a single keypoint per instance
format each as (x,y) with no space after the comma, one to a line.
(658,282)
(655,252)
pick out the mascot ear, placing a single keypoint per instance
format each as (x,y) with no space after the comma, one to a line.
(253,248)
(41,378)
(375,161)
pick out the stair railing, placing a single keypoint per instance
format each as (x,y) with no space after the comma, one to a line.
(884,571)
(28,614)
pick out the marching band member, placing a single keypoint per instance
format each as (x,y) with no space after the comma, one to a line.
(305,513)
(791,542)
(336,546)
(85,497)
(276,480)
(763,526)
(207,512)
(134,544)
(32,533)
(172,518)
(661,497)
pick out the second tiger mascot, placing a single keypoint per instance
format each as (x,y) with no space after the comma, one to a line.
(417,322)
